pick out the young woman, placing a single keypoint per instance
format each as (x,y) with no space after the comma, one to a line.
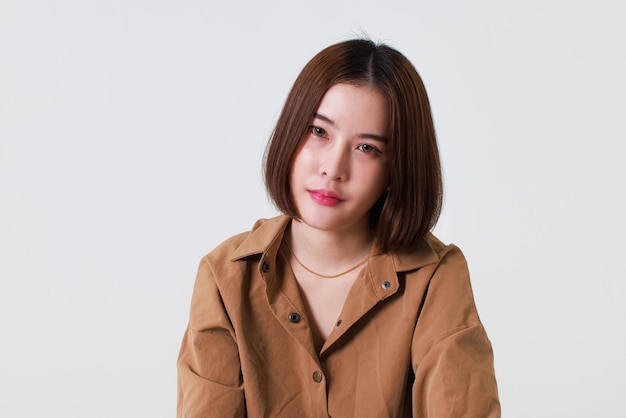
(346,305)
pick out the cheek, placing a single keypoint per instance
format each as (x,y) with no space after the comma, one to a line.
(377,175)
(302,162)
(382,183)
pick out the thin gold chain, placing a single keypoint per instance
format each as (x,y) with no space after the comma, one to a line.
(360,263)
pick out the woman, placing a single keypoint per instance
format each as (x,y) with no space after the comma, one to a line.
(346,305)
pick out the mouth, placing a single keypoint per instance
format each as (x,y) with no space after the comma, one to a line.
(325,197)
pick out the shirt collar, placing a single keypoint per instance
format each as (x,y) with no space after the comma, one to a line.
(266,233)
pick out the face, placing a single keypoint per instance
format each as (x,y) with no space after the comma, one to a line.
(340,168)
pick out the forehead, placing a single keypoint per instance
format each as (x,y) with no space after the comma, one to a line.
(351,106)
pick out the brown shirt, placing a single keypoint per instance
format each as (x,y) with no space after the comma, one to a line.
(408,342)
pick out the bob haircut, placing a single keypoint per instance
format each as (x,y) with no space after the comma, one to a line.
(412,204)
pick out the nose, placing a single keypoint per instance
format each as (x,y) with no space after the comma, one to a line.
(336,162)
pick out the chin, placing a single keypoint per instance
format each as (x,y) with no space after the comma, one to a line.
(329,221)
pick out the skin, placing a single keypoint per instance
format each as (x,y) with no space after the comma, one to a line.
(339,172)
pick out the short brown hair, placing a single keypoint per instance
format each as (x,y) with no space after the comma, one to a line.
(412,205)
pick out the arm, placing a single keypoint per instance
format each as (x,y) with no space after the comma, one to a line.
(209,372)
(452,356)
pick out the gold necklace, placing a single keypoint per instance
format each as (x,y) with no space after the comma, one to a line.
(360,263)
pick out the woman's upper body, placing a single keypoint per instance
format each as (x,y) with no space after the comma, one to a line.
(407,342)
(346,305)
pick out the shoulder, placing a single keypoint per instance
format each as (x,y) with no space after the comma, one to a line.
(447,254)
(448,305)
(451,264)
(442,249)
(441,271)
(428,251)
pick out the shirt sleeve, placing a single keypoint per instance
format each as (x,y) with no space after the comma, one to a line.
(209,371)
(451,353)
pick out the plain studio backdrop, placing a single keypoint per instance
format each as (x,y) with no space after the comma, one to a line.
(131,140)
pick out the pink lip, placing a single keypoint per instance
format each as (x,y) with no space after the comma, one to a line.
(325,197)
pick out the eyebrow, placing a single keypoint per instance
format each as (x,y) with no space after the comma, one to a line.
(364,135)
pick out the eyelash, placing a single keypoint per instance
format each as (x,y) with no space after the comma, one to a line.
(321,132)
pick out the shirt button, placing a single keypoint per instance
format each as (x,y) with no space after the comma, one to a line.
(386,285)
(317,376)
(265,267)
(339,323)
(294,317)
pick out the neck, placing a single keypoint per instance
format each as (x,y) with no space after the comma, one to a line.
(328,252)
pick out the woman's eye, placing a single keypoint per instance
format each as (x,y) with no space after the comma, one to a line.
(368,149)
(317,131)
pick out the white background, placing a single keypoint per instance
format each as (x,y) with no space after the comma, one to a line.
(131,137)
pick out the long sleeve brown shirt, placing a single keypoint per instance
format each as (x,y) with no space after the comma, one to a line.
(408,342)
